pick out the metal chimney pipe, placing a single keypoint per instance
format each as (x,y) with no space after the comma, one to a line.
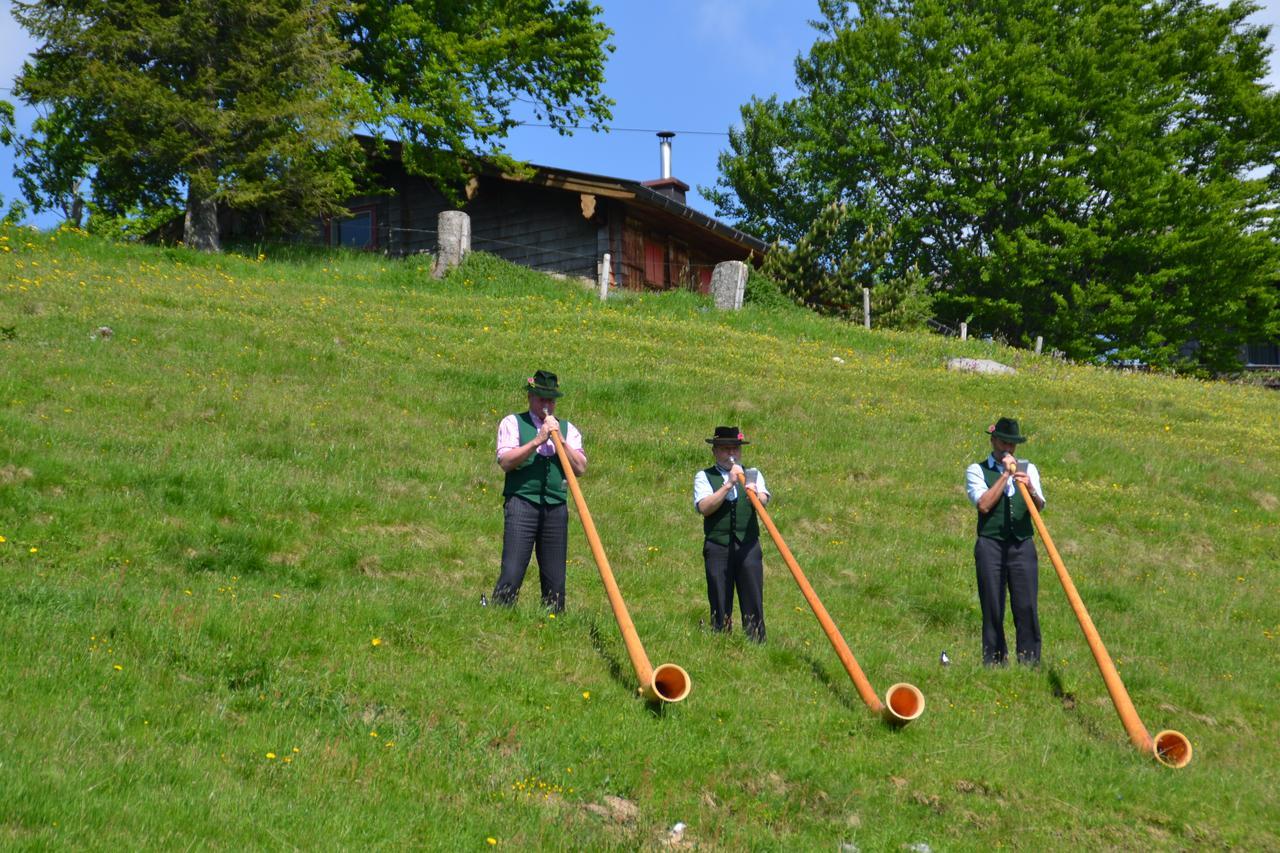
(665,145)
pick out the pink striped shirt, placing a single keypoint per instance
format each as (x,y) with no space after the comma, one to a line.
(509,436)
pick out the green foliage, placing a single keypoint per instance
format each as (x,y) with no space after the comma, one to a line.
(829,265)
(6,128)
(251,105)
(444,76)
(765,293)
(1098,173)
(6,122)
(239,104)
(275,458)
(902,302)
(52,166)
(131,225)
(16,213)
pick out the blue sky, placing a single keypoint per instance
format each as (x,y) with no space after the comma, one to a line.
(683,65)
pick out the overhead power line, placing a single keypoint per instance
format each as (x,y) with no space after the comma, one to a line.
(630,129)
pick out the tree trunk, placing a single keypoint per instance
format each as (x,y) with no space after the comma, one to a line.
(200,230)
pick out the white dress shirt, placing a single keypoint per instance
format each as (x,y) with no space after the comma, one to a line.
(976,484)
(702,485)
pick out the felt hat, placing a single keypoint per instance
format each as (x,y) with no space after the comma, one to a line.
(1006,429)
(727,435)
(544,384)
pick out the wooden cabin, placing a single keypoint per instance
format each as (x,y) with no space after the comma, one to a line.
(555,220)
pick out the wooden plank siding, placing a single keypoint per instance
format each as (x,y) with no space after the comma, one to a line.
(632,253)
(534,227)
(557,221)
(545,229)
(417,205)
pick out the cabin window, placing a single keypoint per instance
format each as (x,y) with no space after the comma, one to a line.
(357,231)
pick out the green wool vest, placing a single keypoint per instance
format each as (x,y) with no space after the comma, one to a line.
(1008,519)
(540,479)
(737,517)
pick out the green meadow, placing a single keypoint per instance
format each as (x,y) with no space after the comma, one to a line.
(249,505)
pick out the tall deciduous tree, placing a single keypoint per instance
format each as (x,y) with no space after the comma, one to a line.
(450,79)
(194,104)
(1095,171)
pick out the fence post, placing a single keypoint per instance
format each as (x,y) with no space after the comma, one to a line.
(729,284)
(453,241)
(964,331)
(866,307)
(605,269)
(1039,343)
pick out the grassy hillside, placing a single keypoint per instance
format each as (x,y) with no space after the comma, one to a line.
(246,533)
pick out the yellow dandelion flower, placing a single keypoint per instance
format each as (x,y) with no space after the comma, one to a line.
(376,641)
(491,841)
(2,539)
(271,756)
(118,668)
(586,694)
(34,549)
(373,734)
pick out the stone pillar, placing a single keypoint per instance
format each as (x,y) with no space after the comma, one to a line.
(453,241)
(728,284)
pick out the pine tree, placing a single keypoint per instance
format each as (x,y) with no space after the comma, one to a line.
(193,105)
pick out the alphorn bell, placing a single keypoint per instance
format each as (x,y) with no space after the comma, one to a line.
(667,683)
(1169,747)
(903,702)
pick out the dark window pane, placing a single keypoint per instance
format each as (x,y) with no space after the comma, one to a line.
(354,233)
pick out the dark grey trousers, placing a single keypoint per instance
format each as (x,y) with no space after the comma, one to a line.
(736,566)
(528,527)
(1016,566)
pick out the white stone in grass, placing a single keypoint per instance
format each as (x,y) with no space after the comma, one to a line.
(837,359)
(979,365)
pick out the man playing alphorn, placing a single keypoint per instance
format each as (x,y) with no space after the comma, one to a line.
(535,514)
(731,546)
(1005,553)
